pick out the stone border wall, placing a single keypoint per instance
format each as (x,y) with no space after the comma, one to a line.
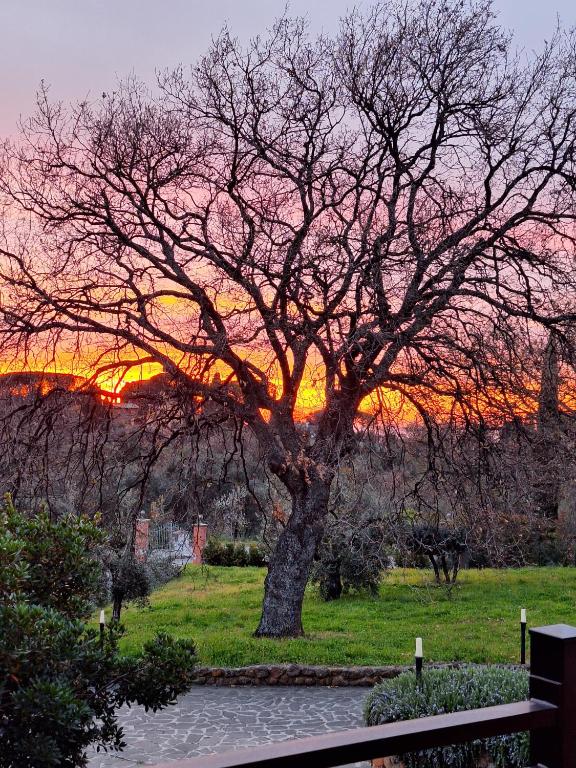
(295,674)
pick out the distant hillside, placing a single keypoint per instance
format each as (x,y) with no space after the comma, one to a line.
(26,382)
(147,389)
(23,384)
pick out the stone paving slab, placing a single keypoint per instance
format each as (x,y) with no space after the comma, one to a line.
(209,720)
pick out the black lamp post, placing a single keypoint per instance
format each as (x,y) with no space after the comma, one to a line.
(523,636)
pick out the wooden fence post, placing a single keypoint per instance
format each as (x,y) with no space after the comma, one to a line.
(553,679)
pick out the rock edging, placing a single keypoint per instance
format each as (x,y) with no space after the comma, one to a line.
(295,674)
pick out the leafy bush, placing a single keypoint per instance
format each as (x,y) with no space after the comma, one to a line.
(52,564)
(60,684)
(349,560)
(130,581)
(453,690)
(229,553)
(241,555)
(256,556)
(441,546)
(212,554)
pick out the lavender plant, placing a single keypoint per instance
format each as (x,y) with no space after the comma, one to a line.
(453,690)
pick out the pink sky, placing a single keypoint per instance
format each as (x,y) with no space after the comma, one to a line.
(81,47)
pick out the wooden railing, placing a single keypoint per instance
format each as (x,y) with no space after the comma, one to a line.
(549,715)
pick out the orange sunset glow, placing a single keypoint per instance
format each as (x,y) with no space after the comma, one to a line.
(390,405)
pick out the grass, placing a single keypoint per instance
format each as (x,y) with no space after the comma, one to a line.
(477,620)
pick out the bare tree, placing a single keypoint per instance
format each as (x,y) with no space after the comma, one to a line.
(548,434)
(353,214)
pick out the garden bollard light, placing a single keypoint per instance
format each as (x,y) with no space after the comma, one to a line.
(418,659)
(102,625)
(523,636)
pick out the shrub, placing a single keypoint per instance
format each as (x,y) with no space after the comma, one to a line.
(229,553)
(349,560)
(256,556)
(50,563)
(130,581)
(212,554)
(60,685)
(240,555)
(441,546)
(453,690)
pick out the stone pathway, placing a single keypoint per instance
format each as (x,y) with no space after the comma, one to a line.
(212,719)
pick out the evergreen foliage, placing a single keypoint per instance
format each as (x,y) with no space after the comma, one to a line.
(230,553)
(453,690)
(350,558)
(60,682)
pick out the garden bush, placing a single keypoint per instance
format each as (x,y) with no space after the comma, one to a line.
(231,553)
(453,690)
(128,580)
(256,556)
(61,684)
(349,560)
(212,554)
(229,557)
(240,555)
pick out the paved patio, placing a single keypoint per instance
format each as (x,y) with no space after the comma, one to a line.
(210,719)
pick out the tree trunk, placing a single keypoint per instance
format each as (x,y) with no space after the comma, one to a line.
(548,435)
(435,566)
(455,566)
(116,606)
(291,561)
(445,570)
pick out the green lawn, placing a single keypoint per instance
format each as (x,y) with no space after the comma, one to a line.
(478,620)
